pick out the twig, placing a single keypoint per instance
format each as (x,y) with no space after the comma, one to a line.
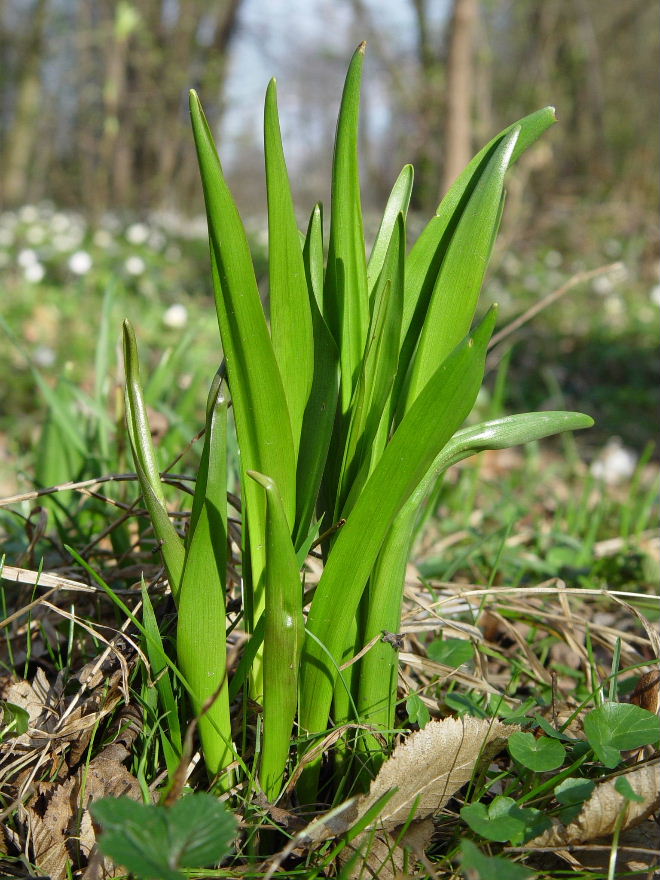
(573,281)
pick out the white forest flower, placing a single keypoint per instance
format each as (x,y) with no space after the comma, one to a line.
(60,222)
(602,285)
(176,316)
(34,273)
(511,264)
(27,257)
(80,263)
(35,234)
(6,236)
(102,238)
(44,356)
(615,464)
(655,295)
(137,233)
(28,213)
(553,259)
(134,265)
(157,240)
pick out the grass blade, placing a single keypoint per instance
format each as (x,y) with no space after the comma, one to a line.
(172,742)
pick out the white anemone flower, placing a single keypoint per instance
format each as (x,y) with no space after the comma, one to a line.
(615,464)
(135,265)
(27,257)
(176,316)
(35,234)
(137,233)
(34,273)
(80,263)
(28,214)
(103,238)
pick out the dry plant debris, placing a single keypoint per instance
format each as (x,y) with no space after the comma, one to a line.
(54,826)
(607,808)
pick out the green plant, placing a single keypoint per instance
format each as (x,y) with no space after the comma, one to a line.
(155,841)
(348,410)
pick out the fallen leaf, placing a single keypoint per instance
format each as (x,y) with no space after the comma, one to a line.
(647,691)
(600,813)
(431,765)
(58,818)
(424,772)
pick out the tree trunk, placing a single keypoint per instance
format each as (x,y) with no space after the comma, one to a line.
(460,90)
(24,130)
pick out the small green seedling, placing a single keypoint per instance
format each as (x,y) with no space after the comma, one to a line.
(617,727)
(477,866)
(503,820)
(417,711)
(451,652)
(156,842)
(540,754)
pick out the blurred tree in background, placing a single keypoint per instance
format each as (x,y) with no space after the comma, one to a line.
(94,97)
(94,92)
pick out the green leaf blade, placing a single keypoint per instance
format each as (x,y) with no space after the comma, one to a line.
(428,252)
(449,396)
(376,377)
(346,298)
(144,455)
(201,622)
(290,313)
(397,203)
(541,755)
(261,412)
(283,640)
(322,403)
(456,291)
(201,830)
(616,727)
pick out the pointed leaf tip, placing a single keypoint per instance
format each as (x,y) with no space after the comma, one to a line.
(265,482)
(362,47)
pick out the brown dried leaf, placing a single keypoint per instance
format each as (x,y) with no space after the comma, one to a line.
(600,813)
(426,770)
(22,694)
(386,855)
(49,815)
(380,857)
(431,765)
(647,691)
(58,816)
